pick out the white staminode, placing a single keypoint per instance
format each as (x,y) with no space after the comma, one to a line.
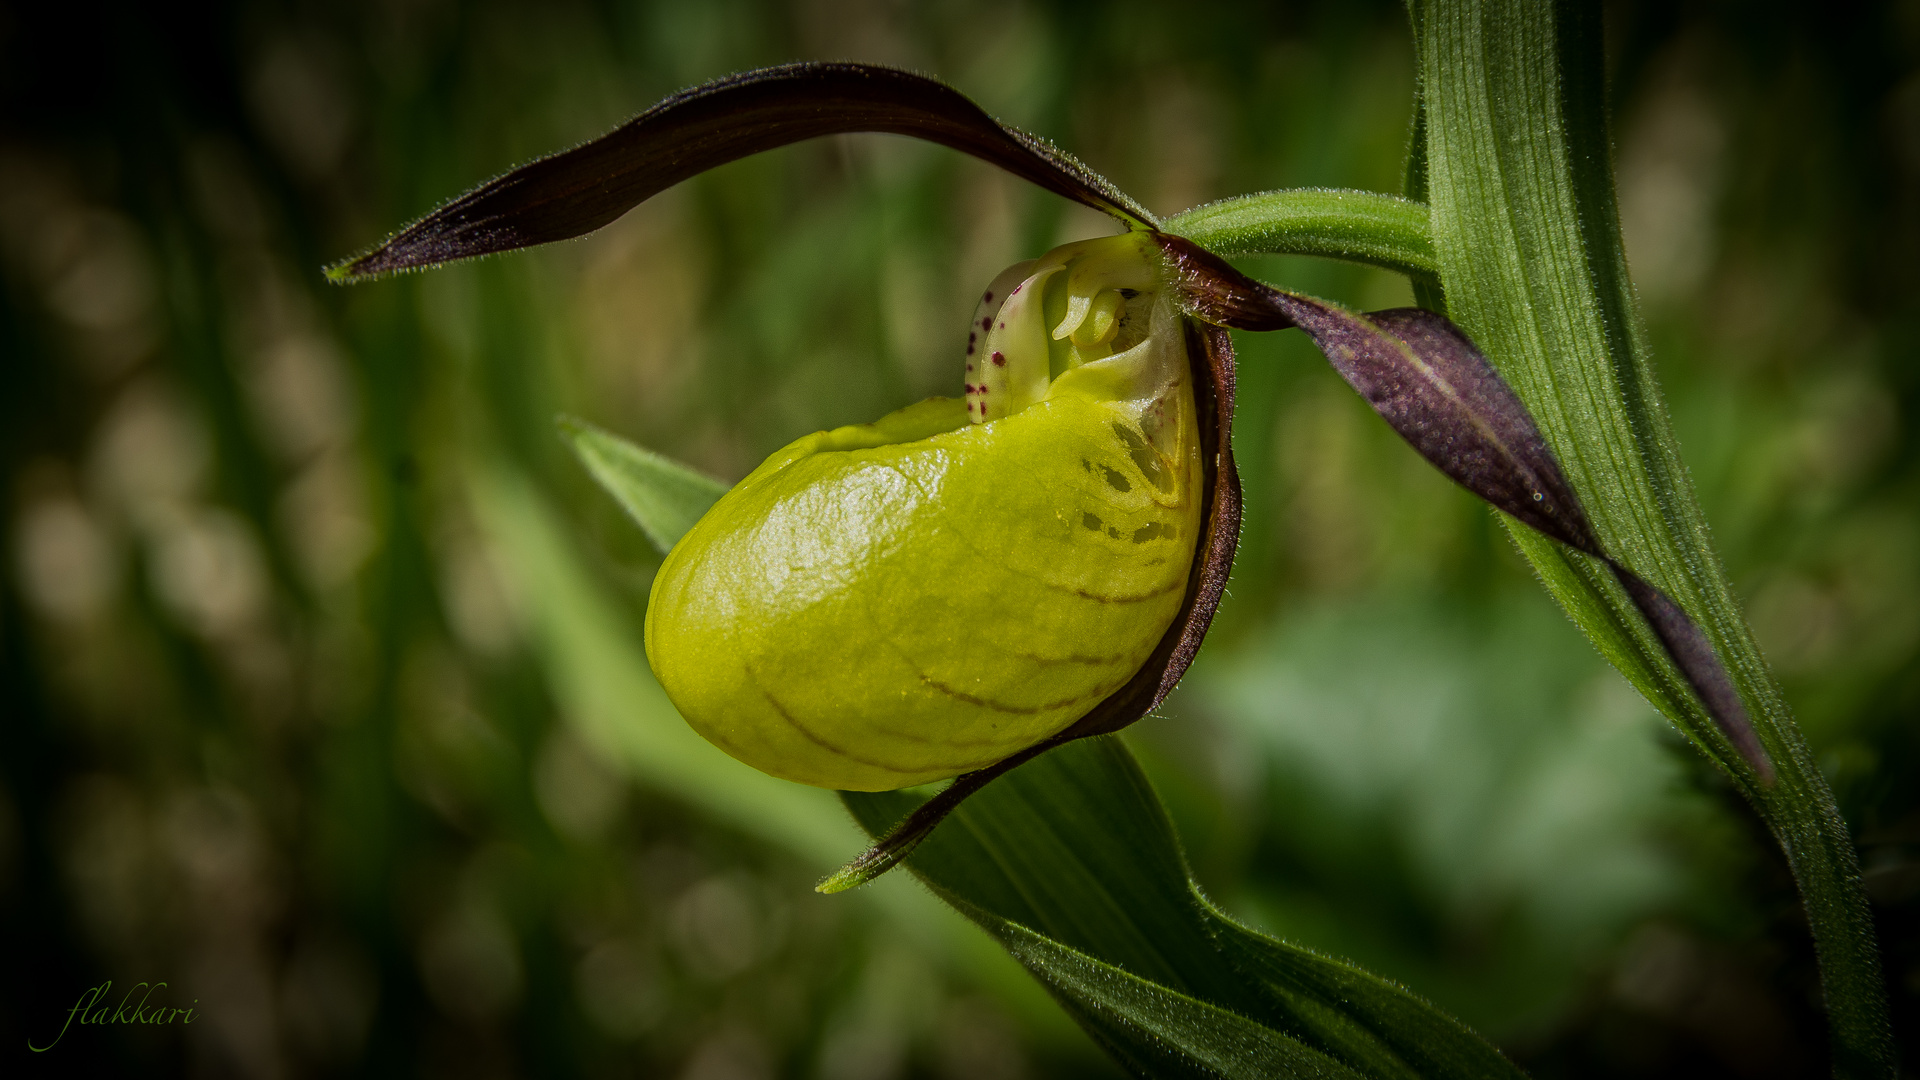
(1103,305)
(1095,281)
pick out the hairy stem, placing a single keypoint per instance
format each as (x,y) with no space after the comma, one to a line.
(1358,226)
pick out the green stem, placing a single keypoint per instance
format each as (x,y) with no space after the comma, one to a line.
(1358,226)
(1526,234)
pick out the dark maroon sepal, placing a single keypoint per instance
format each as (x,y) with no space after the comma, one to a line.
(574,192)
(1434,387)
(1422,375)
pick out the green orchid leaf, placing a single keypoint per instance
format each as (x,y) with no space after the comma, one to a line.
(661,495)
(1380,1026)
(1155,1031)
(1526,232)
(1071,863)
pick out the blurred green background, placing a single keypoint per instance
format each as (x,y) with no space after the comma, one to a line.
(323,694)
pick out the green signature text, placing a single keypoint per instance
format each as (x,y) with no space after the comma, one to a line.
(93,1006)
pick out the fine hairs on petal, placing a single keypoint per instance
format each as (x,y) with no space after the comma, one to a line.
(574,192)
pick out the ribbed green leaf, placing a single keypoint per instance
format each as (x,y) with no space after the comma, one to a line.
(662,496)
(1155,1031)
(1070,861)
(1375,1023)
(1526,233)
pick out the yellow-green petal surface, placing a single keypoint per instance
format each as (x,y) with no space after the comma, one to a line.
(892,603)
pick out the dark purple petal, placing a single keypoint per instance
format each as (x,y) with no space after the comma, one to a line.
(1423,376)
(577,191)
(1434,386)
(1694,655)
(1427,380)
(1210,353)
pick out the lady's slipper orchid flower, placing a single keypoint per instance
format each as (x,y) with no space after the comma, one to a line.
(927,595)
(966,583)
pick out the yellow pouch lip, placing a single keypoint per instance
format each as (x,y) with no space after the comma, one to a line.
(814,751)
(913,423)
(953,698)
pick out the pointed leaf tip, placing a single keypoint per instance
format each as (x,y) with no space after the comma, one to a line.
(662,496)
